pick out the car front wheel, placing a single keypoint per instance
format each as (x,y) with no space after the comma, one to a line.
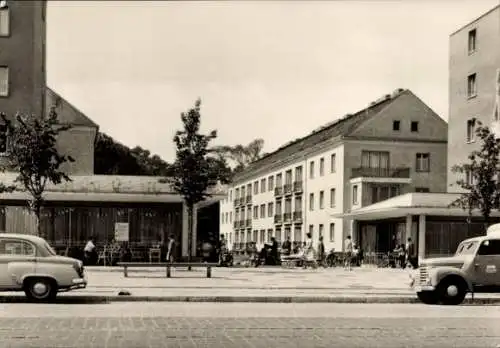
(428,297)
(40,289)
(451,291)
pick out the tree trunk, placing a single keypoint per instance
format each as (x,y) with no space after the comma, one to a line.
(190,230)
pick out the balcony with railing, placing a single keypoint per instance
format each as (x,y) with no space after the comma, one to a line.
(288,189)
(248,199)
(248,223)
(297,216)
(287,218)
(388,173)
(278,191)
(278,219)
(297,187)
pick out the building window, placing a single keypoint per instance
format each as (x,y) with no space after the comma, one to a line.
(375,159)
(414,126)
(298,204)
(270,232)
(471,130)
(321,199)
(256,212)
(263,185)
(230,217)
(4,22)
(311,230)
(355,194)
(469,178)
(262,236)
(262,211)
(311,170)
(231,196)
(270,183)
(321,166)
(396,125)
(311,201)
(471,86)
(423,162)
(472,41)
(321,230)
(298,173)
(332,232)
(422,189)
(333,163)
(332,198)
(4,81)
(297,234)
(3,139)
(255,187)
(270,208)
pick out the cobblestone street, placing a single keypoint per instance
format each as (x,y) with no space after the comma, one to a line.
(248,325)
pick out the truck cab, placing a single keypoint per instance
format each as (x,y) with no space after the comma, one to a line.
(474,268)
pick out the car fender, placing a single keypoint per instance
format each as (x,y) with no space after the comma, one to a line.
(438,274)
(21,279)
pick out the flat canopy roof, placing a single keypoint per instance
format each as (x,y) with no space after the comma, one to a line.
(414,203)
(108,188)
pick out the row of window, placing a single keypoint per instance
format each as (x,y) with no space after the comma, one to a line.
(4,70)
(396,126)
(281,235)
(269,184)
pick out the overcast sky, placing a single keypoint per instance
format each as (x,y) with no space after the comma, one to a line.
(275,70)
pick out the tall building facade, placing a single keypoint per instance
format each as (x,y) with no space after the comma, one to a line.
(474,81)
(394,146)
(23,85)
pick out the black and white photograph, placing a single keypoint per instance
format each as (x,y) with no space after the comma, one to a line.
(250,174)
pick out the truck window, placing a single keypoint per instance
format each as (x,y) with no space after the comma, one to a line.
(490,247)
(466,248)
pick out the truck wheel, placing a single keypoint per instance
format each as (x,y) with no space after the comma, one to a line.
(428,297)
(40,289)
(451,291)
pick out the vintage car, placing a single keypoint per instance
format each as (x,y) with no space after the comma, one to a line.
(28,263)
(475,268)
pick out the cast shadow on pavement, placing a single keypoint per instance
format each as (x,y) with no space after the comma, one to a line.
(72,300)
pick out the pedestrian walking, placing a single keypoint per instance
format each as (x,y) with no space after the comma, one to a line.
(170,248)
(348,253)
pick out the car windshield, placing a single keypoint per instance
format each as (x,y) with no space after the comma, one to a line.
(467,248)
(49,249)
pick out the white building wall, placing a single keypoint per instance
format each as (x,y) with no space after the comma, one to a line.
(263,227)
(330,179)
(226,218)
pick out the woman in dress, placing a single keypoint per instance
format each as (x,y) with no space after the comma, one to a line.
(309,254)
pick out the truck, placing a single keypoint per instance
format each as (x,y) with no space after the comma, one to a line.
(474,268)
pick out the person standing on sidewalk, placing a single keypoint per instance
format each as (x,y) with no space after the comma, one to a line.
(411,255)
(321,252)
(348,253)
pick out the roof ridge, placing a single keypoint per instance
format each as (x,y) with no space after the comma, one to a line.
(331,126)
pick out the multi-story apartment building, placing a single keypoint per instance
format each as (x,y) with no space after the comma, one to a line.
(23,81)
(474,86)
(394,146)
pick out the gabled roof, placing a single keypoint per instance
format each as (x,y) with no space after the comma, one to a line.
(340,127)
(67,112)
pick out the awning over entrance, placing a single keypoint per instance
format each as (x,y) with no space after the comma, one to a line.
(414,203)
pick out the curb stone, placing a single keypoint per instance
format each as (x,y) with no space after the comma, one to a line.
(242,299)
